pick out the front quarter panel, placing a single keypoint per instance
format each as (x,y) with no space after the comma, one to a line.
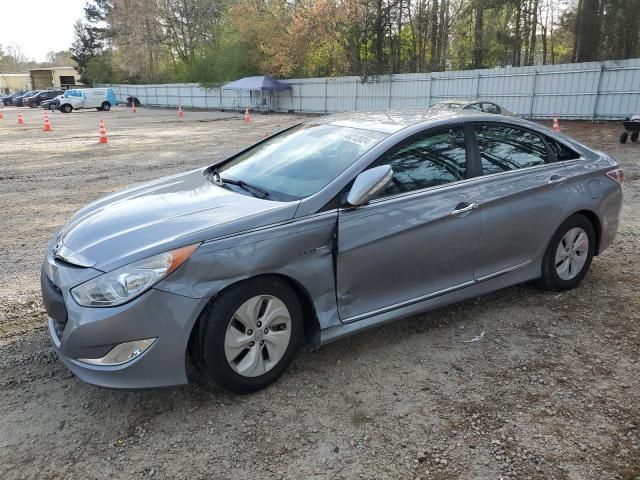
(301,250)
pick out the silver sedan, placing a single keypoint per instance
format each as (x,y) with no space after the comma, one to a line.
(473,105)
(333,226)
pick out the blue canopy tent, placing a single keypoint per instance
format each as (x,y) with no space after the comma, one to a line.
(262,84)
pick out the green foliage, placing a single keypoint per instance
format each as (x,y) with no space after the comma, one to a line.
(214,41)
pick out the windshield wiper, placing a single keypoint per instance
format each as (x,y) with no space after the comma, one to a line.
(218,180)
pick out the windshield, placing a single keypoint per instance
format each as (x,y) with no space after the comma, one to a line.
(301,161)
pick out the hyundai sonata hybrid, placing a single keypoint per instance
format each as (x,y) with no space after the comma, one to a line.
(327,228)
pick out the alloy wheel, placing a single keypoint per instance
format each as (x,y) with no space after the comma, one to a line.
(572,253)
(258,335)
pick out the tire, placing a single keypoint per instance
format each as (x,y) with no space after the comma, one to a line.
(106,106)
(33,105)
(66,108)
(634,136)
(557,274)
(231,367)
(623,137)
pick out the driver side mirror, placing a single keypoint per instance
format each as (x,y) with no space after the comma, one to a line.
(369,184)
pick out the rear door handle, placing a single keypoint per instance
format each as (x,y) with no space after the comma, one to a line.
(556,180)
(464,208)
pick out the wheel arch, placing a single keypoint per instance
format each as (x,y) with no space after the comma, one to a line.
(311,324)
(597,226)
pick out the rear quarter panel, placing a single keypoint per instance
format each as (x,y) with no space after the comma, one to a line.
(591,190)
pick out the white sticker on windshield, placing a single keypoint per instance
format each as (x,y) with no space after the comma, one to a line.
(358,139)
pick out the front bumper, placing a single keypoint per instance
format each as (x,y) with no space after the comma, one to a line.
(82,332)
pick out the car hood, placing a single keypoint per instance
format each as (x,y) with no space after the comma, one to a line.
(158,216)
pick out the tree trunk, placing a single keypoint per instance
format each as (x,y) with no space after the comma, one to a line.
(435,61)
(589,31)
(534,31)
(477,34)
(517,40)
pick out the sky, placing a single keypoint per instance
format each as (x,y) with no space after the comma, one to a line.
(46,25)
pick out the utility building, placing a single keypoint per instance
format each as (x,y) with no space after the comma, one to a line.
(54,77)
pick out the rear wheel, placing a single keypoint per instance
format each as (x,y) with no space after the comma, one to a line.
(634,136)
(33,104)
(623,137)
(569,254)
(106,106)
(249,335)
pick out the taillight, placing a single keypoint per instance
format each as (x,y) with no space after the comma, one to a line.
(617,175)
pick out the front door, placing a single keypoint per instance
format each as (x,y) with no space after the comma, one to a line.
(418,238)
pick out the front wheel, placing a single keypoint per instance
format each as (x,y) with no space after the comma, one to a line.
(249,335)
(623,137)
(66,108)
(569,254)
(106,106)
(634,136)
(33,105)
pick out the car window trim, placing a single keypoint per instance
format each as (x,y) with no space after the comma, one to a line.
(470,181)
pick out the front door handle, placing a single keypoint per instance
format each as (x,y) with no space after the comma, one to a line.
(556,180)
(464,208)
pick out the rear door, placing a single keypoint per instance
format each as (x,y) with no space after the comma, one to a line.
(419,237)
(523,191)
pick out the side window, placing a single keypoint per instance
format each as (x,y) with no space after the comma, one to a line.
(505,148)
(490,108)
(474,106)
(562,151)
(426,161)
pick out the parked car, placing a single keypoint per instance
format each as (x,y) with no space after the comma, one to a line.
(475,105)
(17,101)
(7,99)
(52,104)
(35,100)
(333,226)
(102,99)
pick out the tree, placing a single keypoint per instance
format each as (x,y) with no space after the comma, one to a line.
(86,45)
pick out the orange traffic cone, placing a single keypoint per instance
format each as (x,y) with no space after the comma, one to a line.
(47,125)
(133,106)
(1,116)
(180,112)
(556,125)
(20,120)
(246,118)
(103,133)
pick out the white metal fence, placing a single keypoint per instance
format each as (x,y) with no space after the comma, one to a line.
(606,90)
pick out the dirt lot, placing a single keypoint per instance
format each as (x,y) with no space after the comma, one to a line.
(551,391)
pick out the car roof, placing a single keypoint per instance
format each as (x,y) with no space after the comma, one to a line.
(393,120)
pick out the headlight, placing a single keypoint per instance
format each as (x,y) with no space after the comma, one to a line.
(128,282)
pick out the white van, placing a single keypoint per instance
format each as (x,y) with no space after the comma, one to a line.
(101,99)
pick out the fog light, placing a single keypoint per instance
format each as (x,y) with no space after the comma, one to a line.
(121,353)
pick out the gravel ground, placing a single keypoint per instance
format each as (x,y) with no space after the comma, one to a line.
(551,391)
